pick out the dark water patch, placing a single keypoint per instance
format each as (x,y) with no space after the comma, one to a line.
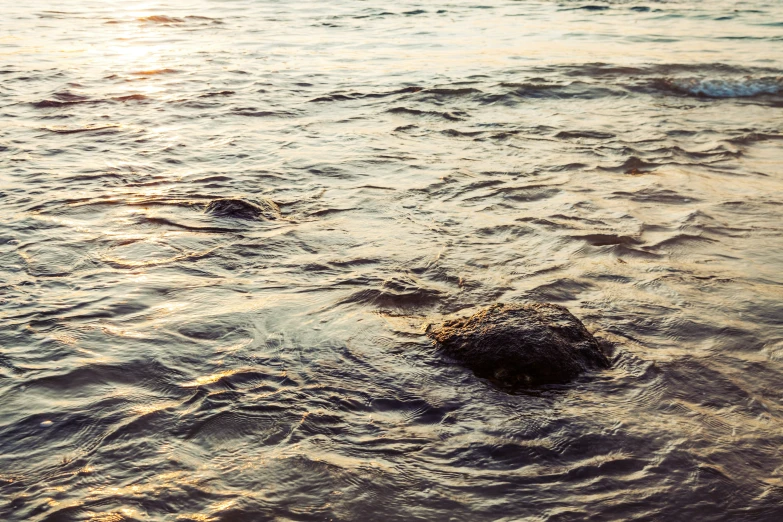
(504,135)
(710,156)
(754,137)
(588,8)
(145,373)
(687,71)
(528,193)
(608,239)
(130,97)
(560,291)
(241,208)
(217,93)
(571,90)
(56,104)
(680,241)
(657,195)
(453,133)
(444,93)
(358,95)
(406,128)
(375,15)
(397,292)
(633,165)
(505,231)
(451,116)
(252,112)
(584,134)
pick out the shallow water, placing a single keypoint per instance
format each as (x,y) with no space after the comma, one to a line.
(159,362)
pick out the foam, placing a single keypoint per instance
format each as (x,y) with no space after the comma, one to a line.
(728,88)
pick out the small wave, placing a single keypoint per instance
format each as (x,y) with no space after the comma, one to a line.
(161,19)
(396,292)
(252,112)
(130,97)
(633,165)
(204,19)
(588,8)
(599,239)
(169,20)
(76,130)
(452,116)
(596,135)
(62,99)
(70,96)
(453,133)
(725,88)
(154,72)
(657,195)
(359,95)
(526,90)
(51,104)
(240,208)
(754,137)
(444,92)
(217,93)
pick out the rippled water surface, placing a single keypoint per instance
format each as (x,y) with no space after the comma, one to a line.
(161,361)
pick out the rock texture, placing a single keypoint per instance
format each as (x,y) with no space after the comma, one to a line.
(240,208)
(520,345)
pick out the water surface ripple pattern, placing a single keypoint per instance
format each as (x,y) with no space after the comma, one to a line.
(224,225)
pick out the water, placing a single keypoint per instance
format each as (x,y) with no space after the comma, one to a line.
(158,362)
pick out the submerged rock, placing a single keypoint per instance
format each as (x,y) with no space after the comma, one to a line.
(518,345)
(240,208)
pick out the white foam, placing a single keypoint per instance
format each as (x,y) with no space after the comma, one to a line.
(728,88)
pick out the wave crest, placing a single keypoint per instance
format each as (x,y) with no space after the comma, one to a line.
(727,87)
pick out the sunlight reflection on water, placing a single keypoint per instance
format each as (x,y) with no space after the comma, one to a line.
(163,360)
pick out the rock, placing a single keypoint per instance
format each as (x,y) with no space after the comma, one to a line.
(240,208)
(519,345)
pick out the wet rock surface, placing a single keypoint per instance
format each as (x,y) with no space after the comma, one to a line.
(240,208)
(521,345)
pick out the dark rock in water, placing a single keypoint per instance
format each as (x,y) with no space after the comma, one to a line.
(243,208)
(518,345)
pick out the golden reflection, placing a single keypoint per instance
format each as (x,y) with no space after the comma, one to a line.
(134,50)
(121,332)
(209,379)
(146,409)
(113,516)
(196,517)
(64,338)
